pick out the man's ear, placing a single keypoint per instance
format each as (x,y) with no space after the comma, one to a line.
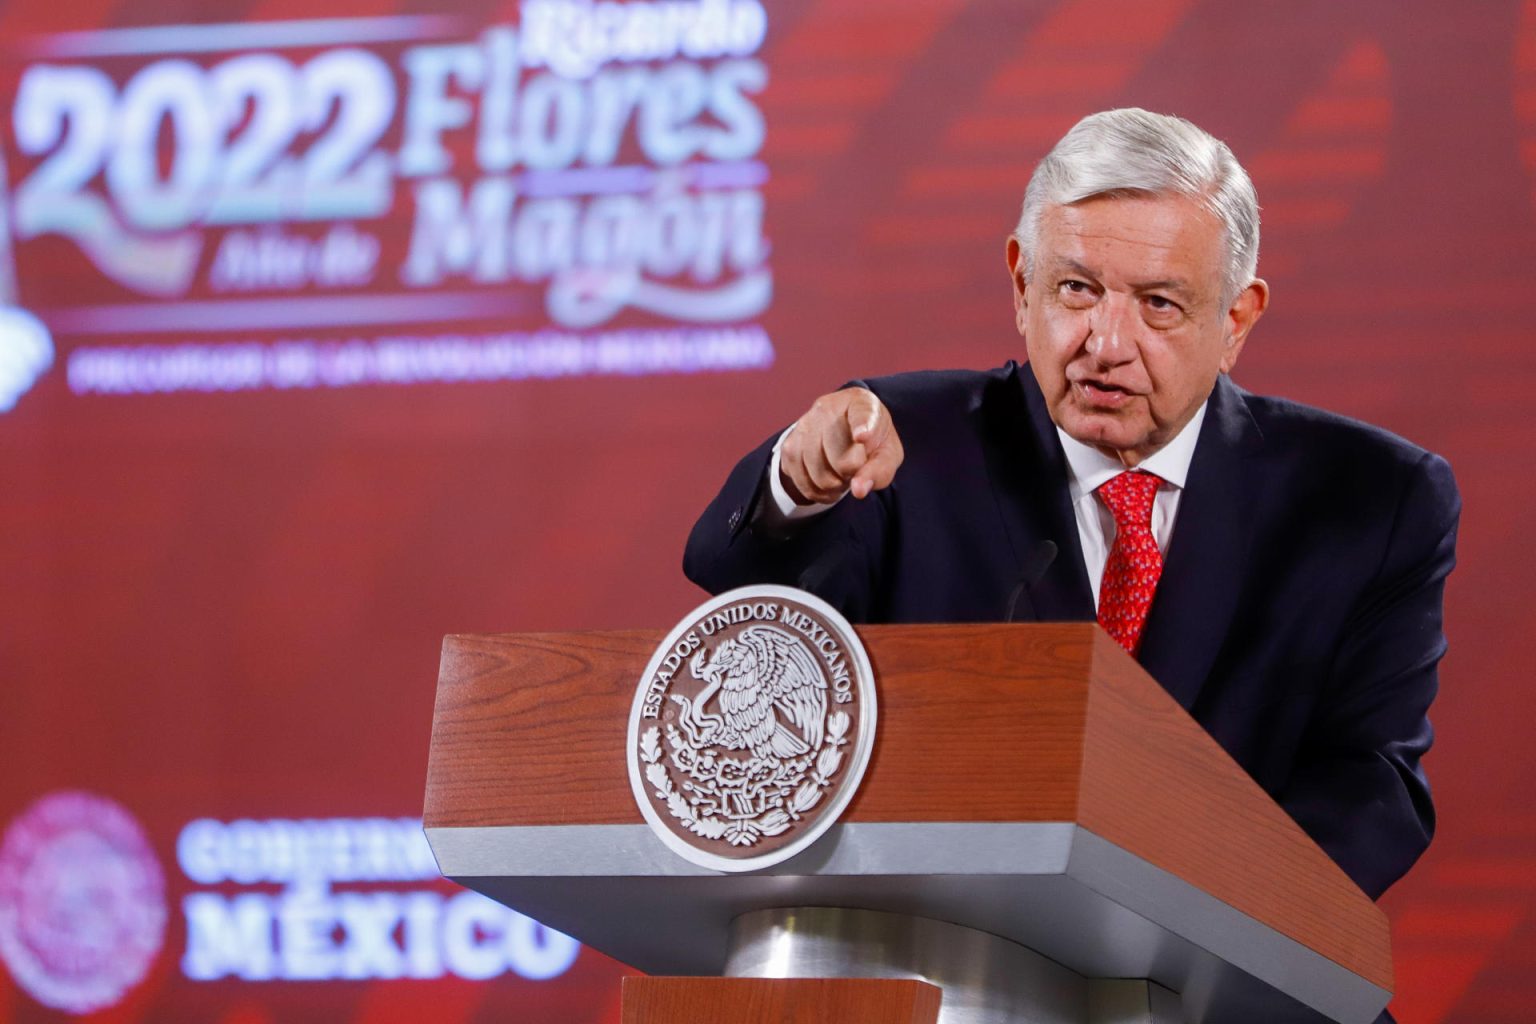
(1246,309)
(1015,254)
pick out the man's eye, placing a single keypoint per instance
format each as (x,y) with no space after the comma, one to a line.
(1161,303)
(1078,289)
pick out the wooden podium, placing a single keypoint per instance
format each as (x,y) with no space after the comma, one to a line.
(1029,783)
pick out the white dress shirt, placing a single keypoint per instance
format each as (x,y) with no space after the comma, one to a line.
(1087,470)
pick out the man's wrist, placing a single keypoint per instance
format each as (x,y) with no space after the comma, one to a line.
(781,506)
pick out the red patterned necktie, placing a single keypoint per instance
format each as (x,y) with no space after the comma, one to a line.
(1134,563)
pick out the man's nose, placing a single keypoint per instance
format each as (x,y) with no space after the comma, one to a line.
(1112,325)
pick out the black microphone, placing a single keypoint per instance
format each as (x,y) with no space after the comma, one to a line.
(822,569)
(1035,566)
(828,578)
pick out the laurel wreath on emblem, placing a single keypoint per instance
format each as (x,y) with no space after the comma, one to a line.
(772,704)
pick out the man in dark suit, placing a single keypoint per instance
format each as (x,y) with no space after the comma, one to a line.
(1278,569)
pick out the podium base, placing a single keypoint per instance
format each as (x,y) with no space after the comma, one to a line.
(777,1001)
(985,979)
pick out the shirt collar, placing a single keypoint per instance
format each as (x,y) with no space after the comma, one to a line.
(1088,469)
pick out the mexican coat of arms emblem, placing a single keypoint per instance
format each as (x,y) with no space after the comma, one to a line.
(751,728)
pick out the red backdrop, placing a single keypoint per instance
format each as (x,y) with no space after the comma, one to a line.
(223,584)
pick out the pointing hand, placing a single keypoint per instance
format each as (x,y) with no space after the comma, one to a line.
(845,442)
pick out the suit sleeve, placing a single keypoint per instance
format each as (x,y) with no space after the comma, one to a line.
(836,555)
(1358,788)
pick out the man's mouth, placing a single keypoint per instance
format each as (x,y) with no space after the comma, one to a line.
(1101,394)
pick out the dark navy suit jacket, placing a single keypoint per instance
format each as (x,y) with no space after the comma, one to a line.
(1298,618)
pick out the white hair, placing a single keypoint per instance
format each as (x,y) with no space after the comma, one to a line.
(1131,152)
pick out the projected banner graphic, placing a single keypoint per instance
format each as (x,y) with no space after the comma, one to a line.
(309,931)
(392,200)
(84,906)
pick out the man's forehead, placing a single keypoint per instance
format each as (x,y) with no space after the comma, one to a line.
(1149,241)
(1174,282)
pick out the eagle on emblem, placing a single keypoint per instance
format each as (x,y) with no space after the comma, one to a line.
(772,695)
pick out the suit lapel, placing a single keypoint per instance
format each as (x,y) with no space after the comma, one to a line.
(1029,481)
(1207,557)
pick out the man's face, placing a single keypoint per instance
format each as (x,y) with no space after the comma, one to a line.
(1123,318)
